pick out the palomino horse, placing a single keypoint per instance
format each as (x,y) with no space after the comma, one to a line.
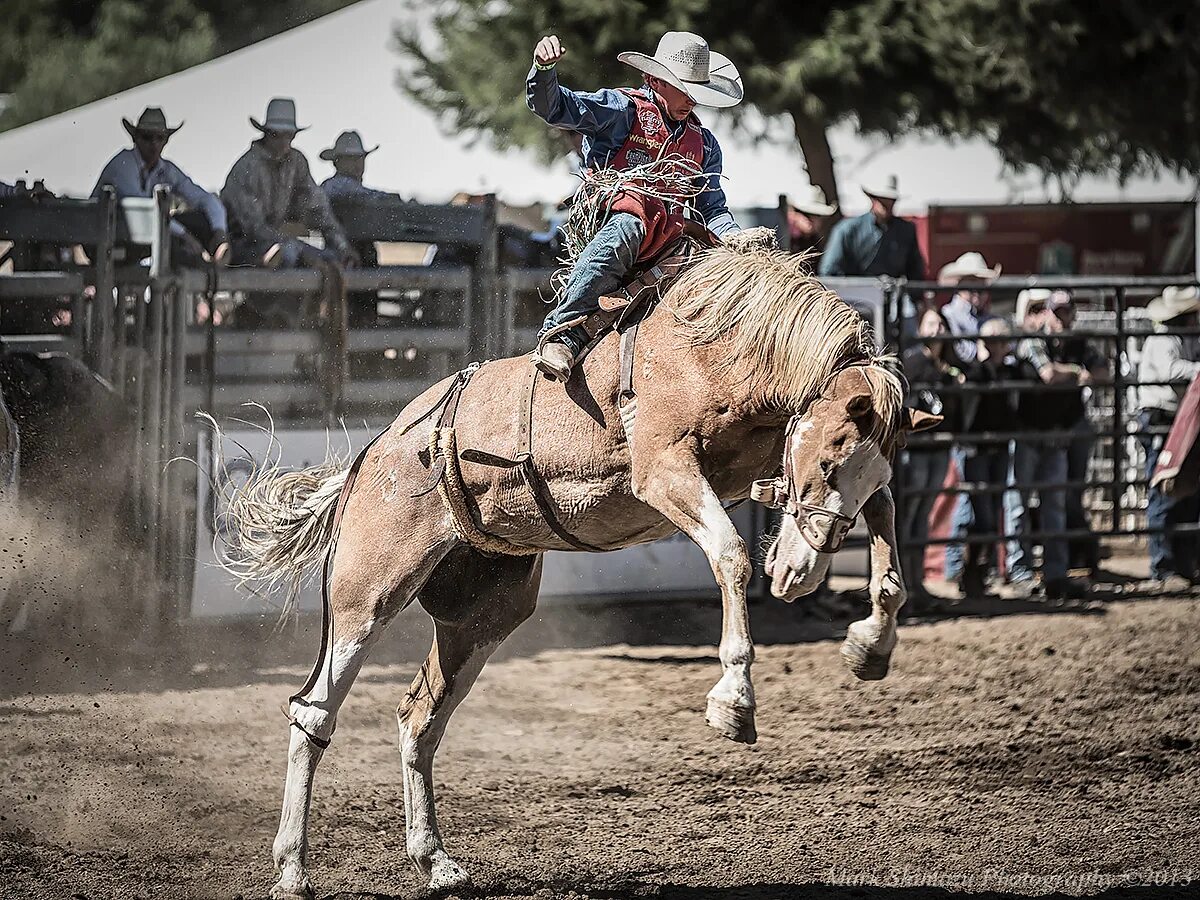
(749,361)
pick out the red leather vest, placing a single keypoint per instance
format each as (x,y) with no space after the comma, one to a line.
(650,139)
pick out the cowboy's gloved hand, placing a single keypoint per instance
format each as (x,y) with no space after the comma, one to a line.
(760,238)
(548,51)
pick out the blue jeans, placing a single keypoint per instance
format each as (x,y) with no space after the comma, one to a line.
(601,266)
(920,470)
(1170,554)
(1037,462)
(976,513)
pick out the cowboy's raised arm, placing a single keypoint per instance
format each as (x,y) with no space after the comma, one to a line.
(591,114)
(711,204)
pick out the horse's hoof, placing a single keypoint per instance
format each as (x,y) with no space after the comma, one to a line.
(292,889)
(865,665)
(733,722)
(447,877)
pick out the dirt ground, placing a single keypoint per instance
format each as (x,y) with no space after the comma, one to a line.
(1025,754)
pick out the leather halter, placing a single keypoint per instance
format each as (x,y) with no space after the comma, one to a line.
(824,529)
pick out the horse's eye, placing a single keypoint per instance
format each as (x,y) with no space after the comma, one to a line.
(826,470)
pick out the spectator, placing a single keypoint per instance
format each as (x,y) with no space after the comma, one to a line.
(931,363)
(1041,460)
(877,242)
(1173,360)
(136,171)
(271,185)
(1078,352)
(808,219)
(968,308)
(349,158)
(984,463)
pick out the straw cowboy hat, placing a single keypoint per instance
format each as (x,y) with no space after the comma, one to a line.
(810,200)
(1174,301)
(281,116)
(348,143)
(684,61)
(969,265)
(152,120)
(888,189)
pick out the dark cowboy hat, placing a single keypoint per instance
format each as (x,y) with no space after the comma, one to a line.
(152,120)
(281,116)
(348,143)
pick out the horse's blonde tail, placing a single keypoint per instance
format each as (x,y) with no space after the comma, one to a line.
(275,526)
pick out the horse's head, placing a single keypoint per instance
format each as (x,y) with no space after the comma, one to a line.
(837,453)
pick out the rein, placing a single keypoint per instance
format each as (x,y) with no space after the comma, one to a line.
(824,529)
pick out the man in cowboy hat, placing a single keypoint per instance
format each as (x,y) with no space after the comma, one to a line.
(271,185)
(968,306)
(623,129)
(877,242)
(349,158)
(1172,360)
(136,171)
(808,215)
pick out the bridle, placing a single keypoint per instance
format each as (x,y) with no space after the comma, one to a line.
(824,529)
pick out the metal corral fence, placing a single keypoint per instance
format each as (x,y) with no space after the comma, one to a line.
(1113,320)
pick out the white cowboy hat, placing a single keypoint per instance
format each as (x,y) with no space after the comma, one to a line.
(810,200)
(1174,301)
(888,189)
(969,265)
(684,61)
(1028,297)
(281,116)
(348,143)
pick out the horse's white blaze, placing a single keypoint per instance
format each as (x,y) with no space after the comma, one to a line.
(798,568)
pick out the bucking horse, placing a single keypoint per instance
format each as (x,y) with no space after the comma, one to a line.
(748,378)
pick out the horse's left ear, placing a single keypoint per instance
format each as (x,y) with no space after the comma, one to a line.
(919,420)
(858,405)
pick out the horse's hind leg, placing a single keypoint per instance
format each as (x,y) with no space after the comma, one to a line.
(476,602)
(371,583)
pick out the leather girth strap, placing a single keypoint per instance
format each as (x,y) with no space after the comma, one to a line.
(522,460)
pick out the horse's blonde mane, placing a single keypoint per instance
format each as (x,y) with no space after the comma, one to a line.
(781,327)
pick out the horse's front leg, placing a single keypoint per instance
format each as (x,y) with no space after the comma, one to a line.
(867,650)
(675,487)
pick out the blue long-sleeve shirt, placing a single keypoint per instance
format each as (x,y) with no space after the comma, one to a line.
(128,174)
(861,246)
(605,118)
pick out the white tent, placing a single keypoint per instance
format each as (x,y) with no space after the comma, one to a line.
(342,68)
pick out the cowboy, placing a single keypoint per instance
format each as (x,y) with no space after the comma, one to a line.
(808,217)
(271,185)
(966,313)
(623,129)
(1169,363)
(349,158)
(968,307)
(136,171)
(876,243)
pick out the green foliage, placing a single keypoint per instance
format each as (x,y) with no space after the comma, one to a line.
(1065,86)
(59,54)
